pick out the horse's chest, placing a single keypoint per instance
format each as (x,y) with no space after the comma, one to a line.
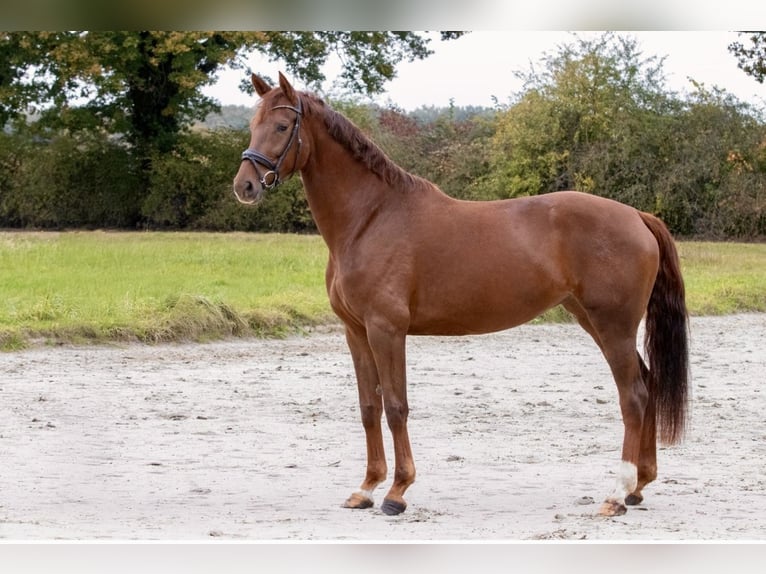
(357,294)
(346,294)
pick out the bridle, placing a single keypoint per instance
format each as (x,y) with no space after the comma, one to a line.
(270,179)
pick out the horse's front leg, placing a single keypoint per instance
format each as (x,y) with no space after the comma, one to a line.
(388,348)
(371,406)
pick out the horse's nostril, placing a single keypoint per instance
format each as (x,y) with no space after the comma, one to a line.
(244,187)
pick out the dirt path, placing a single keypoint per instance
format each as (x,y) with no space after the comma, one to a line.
(516,436)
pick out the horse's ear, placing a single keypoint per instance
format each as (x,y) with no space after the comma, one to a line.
(288,90)
(261,87)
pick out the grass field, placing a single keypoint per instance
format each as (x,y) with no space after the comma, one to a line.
(153,287)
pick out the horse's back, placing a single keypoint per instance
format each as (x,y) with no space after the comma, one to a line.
(539,229)
(566,229)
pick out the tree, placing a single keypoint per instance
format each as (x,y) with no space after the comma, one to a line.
(752,58)
(14,93)
(598,119)
(585,121)
(710,179)
(146,85)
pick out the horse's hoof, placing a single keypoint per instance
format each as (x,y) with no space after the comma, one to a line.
(358,501)
(612,508)
(633,499)
(392,507)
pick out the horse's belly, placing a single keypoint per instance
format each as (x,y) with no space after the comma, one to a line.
(479,312)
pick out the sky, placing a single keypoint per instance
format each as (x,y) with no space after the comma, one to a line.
(480,66)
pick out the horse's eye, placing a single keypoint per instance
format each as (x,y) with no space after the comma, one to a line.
(281,128)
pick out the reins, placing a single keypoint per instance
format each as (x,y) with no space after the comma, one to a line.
(271,179)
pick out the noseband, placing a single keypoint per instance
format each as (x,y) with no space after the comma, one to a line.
(271,179)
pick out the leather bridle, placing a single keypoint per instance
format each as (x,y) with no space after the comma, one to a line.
(271,179)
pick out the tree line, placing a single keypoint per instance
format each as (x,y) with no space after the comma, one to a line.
(596,116)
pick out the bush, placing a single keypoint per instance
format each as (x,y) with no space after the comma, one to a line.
(67,181)
(92,181)
(191,188)
(700,164)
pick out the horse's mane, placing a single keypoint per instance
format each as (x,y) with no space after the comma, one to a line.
(362,148)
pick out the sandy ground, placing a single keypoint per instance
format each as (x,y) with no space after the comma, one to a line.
(516,437)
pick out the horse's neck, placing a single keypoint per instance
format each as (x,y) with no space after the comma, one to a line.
(342,193)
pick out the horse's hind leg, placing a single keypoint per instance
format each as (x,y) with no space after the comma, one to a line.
(621,355)
(633,396)
(647,461)
(371,407)
(616,338)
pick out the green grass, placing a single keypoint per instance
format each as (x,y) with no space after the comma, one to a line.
(724,278)
(152,287)
(82,287)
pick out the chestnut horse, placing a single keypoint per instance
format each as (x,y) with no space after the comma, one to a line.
(406,259)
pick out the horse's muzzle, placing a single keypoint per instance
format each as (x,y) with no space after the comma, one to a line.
(247,190)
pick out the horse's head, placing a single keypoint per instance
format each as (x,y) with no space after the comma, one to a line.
(274,152)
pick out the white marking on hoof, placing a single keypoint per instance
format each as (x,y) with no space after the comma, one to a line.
(366,494)
(627,480)
(360,499)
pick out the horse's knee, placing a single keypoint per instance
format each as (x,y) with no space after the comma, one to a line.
(396,414)
(371,416)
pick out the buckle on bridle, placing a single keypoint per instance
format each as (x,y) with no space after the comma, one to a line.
(268,184)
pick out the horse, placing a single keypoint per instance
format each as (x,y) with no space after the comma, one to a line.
(407,259)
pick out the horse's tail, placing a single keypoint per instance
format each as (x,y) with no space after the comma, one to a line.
(666,339)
